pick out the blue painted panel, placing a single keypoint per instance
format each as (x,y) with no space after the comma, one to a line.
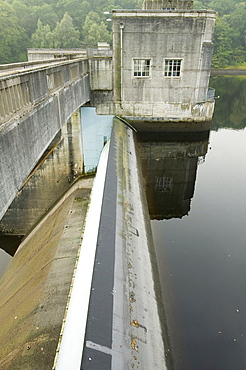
(96,131)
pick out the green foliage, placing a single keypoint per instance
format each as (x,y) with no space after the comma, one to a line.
(95,31)
(223,41)
(230,108)
(65,35)
(230,30)
(12,36)
(73,23)
(42,37)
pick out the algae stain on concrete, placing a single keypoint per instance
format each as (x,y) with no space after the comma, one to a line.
(34,289)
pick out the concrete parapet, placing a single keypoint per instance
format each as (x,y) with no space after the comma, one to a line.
(126,325)
(161,112)
(44,54)
(21,91)
(34,107)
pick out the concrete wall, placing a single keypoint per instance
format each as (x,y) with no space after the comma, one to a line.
(159,35)
(50,179)
(162,4)
(42,54)
(35,106)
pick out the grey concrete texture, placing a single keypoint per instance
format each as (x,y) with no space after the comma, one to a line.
(101,74)
(30,121)
(140,334)
(34,290)
(168,4)
(184,35)
(62,163)
(171,37)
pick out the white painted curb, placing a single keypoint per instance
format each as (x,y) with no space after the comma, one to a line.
(72,343)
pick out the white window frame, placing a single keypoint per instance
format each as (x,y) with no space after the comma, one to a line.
(172,67)
(141,68)
(163,183)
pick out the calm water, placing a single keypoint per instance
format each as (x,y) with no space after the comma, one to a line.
(202,256)
(198,200)
(5,258)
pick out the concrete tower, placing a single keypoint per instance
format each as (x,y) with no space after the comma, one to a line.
(161,66)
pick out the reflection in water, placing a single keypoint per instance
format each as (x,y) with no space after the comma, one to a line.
(230,108)
(202,259)
(169,164)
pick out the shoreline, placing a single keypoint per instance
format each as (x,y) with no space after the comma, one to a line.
(227,72)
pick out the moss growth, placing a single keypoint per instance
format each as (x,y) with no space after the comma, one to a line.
(34,289)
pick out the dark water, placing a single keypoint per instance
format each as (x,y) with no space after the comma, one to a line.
(202,255)
(8,247)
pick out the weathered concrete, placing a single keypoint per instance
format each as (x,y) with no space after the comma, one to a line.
(35,287)
(159,36)
(53,175)
(126,325)
(42,54)
(168,4)
(101,74)
(35,105)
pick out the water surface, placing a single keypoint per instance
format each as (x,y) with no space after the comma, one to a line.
(202,255)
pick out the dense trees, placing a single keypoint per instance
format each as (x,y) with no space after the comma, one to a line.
(12,35)
(230,31)
(82,23)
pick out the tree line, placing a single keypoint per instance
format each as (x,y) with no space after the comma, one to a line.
(230,110)
(80,23)
(230,31)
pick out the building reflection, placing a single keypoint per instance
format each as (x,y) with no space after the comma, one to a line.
(169,165)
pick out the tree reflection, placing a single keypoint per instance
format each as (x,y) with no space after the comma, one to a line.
(230,108)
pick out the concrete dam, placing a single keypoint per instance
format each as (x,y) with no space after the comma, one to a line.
(83,291)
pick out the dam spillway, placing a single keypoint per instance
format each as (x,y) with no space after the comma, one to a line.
(124,290)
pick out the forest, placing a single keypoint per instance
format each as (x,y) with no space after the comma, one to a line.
(80,24)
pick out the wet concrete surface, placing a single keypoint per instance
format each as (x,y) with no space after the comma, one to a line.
(35,287)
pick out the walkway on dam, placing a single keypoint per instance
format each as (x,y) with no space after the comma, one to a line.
(105,310)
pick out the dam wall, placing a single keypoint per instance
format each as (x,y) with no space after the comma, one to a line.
(35,106)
